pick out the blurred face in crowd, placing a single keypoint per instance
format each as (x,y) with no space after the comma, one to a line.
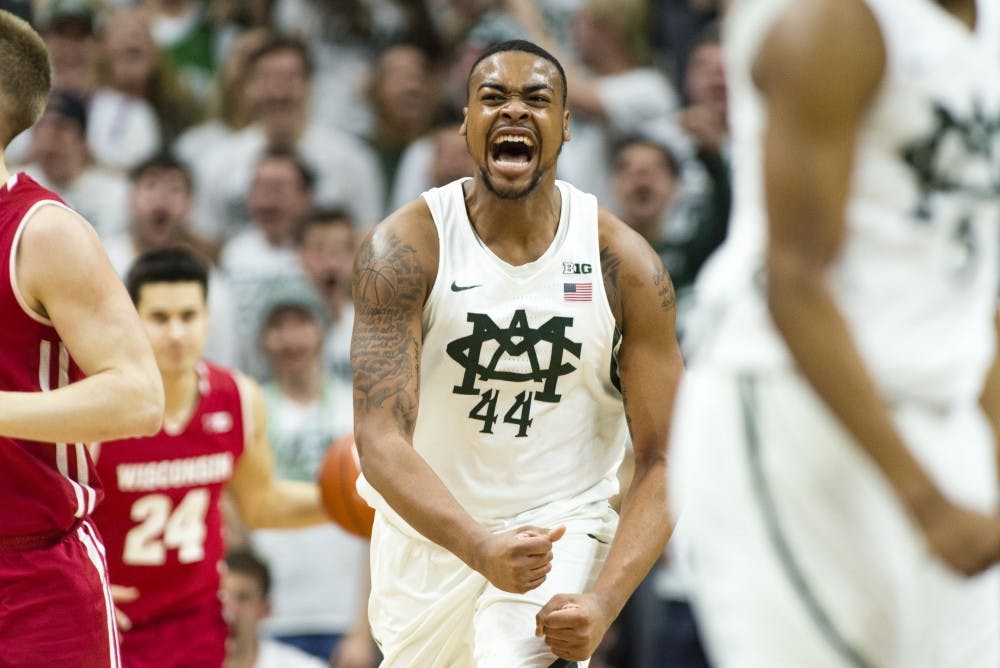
(59,146)
(292,340)
(451,158)
(327,256)
(277,198)
(706,78)
(405,91)
(130,52)
(645,185)
(160,204)
(73,50)
(515,121)
(591,36)
(278,88)
(244,608)
(234,73)
(175,317)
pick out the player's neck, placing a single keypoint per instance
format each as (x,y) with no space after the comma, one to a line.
(181,397)
(516,230)
(4,173)
(247,659)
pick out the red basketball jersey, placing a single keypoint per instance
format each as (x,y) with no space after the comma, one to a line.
(44,487)
(161,519)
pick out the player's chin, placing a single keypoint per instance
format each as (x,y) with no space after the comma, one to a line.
(512,189)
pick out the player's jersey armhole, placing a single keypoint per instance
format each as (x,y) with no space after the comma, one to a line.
(246,410)
(434,199)
(600,290)
(12,263)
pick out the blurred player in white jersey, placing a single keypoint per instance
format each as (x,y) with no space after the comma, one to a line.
(836,461)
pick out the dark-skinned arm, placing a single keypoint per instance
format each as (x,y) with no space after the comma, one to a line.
(649,367)
(393,274)
(990,397)
(819,69)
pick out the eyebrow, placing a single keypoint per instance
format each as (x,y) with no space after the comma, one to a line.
(530,88)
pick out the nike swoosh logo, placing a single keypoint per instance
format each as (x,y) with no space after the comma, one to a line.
(455,287)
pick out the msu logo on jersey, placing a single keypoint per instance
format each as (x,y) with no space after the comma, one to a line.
(956,167)
(960,154)
(518,353)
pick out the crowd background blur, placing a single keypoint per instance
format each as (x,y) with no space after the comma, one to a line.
(271,134)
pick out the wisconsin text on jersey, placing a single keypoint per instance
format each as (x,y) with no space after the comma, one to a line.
(187,472)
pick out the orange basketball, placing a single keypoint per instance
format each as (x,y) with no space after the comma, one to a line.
(337,476)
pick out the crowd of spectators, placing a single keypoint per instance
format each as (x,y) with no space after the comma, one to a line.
(271,134)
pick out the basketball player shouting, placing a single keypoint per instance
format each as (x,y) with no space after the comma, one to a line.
(835,462)
(161,520)
(502,323)
(74,368)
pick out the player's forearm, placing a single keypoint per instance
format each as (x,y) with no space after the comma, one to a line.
(108,405)
(415,491)
(820,343)
(643,531)
(288,504)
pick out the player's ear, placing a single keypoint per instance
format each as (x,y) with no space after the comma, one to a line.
(465,113)
(566,136)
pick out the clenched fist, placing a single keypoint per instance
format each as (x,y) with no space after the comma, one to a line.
(517,561)
(572,625)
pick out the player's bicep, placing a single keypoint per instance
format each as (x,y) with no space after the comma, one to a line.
(64,273)
(389,290)
(649,360)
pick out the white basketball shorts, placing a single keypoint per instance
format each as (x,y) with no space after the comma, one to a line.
(428,609)
(799,551)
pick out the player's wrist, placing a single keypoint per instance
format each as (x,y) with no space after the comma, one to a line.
(476,549)
(607,603)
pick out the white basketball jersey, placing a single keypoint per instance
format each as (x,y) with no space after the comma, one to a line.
(518,400)
(916,277)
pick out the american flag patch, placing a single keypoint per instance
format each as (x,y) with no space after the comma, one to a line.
(578,292)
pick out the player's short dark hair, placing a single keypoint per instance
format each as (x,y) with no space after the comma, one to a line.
(522,45)
(325,217)
(177,264)
(246,562)
(673,164)
(161,162)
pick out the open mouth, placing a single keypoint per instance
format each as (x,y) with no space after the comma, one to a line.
(642,194)
(512,153)
(159,219)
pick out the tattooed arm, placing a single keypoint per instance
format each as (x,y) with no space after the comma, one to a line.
(641,297)
(393,274)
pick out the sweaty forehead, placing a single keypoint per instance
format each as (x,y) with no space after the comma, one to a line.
(515,69)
